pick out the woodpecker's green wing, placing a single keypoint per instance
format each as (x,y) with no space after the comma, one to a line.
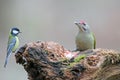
(94,40)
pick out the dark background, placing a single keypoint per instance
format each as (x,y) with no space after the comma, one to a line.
(53,20)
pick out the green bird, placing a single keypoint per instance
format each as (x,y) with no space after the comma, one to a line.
(13,43)
(85,39)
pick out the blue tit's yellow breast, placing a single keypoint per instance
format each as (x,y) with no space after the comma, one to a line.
(16,44)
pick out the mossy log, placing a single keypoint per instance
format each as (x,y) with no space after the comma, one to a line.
(48,61)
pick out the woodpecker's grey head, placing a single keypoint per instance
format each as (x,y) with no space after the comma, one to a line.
(15,31)
(83,26)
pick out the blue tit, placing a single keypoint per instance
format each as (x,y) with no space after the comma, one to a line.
(85,38)
(13,43)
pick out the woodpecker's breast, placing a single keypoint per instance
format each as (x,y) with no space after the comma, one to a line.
(84,41)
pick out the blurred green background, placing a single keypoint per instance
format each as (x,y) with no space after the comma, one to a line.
(53,20)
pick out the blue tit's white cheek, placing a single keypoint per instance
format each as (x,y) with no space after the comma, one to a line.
(15,32)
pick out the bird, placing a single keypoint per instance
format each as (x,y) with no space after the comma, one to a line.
(85,38)
(13,43)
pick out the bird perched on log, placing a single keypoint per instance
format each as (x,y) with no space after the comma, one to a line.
(13,43)
(85,39)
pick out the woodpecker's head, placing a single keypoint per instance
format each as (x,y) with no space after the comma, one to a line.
(83,26)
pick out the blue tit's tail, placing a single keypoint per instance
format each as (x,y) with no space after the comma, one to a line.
(7,58)
(6,61)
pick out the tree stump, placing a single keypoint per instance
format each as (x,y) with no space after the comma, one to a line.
(51,61)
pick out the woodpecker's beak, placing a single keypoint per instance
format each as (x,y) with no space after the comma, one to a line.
(79,25)
(76,22)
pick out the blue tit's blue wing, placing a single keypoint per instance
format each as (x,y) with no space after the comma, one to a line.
(11,44)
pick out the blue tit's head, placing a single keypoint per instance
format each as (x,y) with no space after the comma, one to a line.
(15,31)
(83,26)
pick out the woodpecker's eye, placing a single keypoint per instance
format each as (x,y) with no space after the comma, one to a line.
(84,24)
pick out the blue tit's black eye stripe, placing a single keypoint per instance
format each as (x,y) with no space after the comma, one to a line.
(15,29)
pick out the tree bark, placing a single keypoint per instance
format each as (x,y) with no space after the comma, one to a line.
(49,61)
